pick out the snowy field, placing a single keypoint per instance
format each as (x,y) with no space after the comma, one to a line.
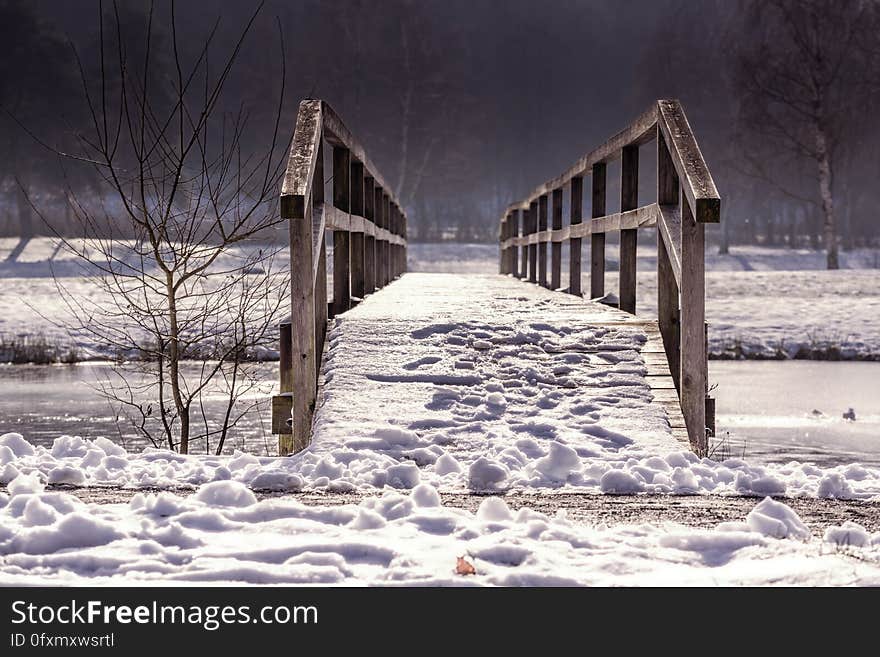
(756,306)
(222,534)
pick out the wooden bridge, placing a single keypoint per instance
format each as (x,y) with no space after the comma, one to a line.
(369,253)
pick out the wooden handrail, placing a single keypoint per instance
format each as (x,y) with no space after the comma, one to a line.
(369,251)
(687,199)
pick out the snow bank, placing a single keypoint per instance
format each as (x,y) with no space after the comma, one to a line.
(220,534)
(527,466)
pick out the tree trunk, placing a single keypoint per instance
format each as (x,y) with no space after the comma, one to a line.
(174,357)
(829,231)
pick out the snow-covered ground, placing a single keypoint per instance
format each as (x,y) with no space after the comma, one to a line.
(222,534)
(761,303)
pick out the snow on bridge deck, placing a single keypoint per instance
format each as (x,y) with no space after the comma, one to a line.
(487,382)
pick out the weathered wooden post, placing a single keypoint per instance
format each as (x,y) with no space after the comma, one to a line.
(668,313)
(577,213)
(597,239)
(282,403)
(503,250)
(358,265)
(513,232)
(341,238)
(386,260)
(542,243)
(370,239)
(694,374)
(700,204)
(629,200)
(524,248)
(556,248)
(533,246)
(379,209)
(296,208)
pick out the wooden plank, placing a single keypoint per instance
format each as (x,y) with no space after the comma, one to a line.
(304,149)
(696,181)
(597,240)
(576,205)
(544,238)
(669,228)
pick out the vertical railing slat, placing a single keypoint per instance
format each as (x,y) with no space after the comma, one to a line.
(597,239)
(542,244)
(629,200)
(576,206)
(341,239)
(556,247)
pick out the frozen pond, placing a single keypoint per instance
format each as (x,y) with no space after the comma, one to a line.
(43,402)
(778,411)
(765,409)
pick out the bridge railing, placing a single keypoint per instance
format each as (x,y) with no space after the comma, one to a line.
(369,251)
(686,200)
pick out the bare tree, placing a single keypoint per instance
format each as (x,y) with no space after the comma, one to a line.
(198,280)
(802,84)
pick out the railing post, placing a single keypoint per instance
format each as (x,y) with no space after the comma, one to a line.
(298,211)
(524,249)
(542,244)
(341,239)
(577,213)
(597,240)
(556,247)
(358,285)
(668,313)
(282,403)
(629,200)
(379,210)
(694,374)
(369,240)
(533,248)
(502,235)
(387,276)
(396,223)
(513,231)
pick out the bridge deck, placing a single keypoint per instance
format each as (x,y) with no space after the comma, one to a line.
(471,365)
